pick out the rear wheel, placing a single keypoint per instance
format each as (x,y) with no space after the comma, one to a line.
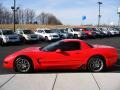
(2,43)
(23,65)
(76,36)
(96,64)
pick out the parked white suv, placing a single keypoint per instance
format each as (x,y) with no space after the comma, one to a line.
(77,32)
(47,34)
(27,35)
(8,36)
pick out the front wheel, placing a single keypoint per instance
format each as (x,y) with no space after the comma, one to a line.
(23,65)
(2,43)
(76,36)
(96,64)
(46,39)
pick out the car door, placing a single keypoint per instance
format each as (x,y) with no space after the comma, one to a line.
(40,33)
(73,50)
(68,57)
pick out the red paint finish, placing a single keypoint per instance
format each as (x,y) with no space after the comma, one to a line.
(73,59)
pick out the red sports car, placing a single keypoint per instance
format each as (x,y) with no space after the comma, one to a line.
(67,54)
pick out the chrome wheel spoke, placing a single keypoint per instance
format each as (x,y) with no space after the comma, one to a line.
(96,64)
(22,64)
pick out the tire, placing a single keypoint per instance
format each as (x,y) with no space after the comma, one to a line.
(76,36)
(23,65)
(46,38)
(24,40)
(2,43)
(96,64)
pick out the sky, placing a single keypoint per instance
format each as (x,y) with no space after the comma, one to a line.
(70,12)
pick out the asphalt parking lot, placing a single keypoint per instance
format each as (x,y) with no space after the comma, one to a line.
(9,49)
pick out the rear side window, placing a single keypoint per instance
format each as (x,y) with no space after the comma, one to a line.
(70,46)
(0,33)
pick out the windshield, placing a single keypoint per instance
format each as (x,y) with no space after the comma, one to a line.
(28,32)
(48,31)
(7,32)
(62,31)
(89,29)
(76,29)
(51,47)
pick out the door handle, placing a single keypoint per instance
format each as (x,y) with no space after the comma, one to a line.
(77,53)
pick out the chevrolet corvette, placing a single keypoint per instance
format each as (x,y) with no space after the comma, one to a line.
(66,54)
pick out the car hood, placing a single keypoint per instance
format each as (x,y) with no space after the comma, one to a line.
(31,34)
(101,46)
(53,34)
(30,49)
(13,35)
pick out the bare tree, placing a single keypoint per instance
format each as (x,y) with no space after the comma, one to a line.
(1,13)
(26,16)
(21,16)
(47,18)
(29,15)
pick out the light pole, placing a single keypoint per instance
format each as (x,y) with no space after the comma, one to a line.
(99,14)
(118,12)
(14,11)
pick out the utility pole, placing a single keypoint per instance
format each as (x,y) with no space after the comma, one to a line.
(14,12)
(99,14)
(118,12)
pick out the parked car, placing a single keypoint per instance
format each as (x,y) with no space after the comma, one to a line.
(76,32)
(99,33)
(106,32)
(90,33)
(117,29)
(27,35)
(113,32)
(63,33)
(47,34)
(67,54)
(8,36)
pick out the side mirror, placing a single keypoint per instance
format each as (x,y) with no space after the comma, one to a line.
(58,51)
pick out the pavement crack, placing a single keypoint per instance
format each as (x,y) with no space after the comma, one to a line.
(54,82)
(95,81)
(7,81)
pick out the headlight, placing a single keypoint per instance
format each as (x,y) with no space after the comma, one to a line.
(6,38)
(90,33)
(26,36)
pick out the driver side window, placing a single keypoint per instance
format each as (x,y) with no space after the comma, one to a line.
(69,46)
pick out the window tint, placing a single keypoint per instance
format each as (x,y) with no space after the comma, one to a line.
(52,47)
(28,32)
(7,32)
(68,46)
(40,31)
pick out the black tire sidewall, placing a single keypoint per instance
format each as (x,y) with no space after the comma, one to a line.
(30,69)
(88,67)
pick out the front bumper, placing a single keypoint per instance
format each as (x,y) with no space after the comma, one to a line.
(8,63)
(53,38)
(32,39)
(11,41)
